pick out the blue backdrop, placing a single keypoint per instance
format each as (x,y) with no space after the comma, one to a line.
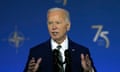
(23,25)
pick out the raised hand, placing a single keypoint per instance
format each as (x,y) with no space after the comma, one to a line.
(86,63)
(33,66)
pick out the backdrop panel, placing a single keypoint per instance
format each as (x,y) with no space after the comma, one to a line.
(94,24)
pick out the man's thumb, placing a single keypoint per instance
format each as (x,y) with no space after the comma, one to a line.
(39,61)
(37,64)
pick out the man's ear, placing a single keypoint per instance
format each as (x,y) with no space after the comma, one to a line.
(68,26)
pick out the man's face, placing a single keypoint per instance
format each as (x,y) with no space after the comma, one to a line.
(57,25)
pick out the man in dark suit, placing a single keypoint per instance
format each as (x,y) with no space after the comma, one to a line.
(59,53)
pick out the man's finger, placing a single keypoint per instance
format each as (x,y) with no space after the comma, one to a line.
(32,60)
(88,60)
(31,64)
(87,56)
(31,67)
(82,57)
(37,64)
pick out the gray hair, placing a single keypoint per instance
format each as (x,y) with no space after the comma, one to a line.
(67,16)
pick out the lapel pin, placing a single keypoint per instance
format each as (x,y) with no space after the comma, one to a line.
(73,49)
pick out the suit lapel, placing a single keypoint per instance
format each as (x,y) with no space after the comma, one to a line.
(71,50)
(75,57)
(49,58)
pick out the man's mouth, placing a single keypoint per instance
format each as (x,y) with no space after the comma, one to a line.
(54,33)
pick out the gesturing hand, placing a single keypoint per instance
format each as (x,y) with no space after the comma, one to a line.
(86,63)
(33,67)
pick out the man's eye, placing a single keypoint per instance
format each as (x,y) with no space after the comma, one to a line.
(58,22)
(50,22)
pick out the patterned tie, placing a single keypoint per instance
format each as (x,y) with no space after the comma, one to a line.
(57,57)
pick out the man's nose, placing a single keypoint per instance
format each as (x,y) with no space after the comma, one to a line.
(54,27)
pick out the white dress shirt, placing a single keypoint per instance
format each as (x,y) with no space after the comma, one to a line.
(64,46)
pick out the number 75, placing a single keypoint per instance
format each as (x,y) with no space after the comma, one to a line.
(102,34)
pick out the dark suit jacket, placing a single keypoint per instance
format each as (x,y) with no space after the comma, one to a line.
(45,52)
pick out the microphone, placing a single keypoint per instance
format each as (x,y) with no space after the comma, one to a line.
(67,57)
(67,61)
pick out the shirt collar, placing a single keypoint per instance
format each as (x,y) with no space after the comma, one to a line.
(64,44)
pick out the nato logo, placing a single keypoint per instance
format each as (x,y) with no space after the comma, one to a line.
(16,39)
(102,34)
